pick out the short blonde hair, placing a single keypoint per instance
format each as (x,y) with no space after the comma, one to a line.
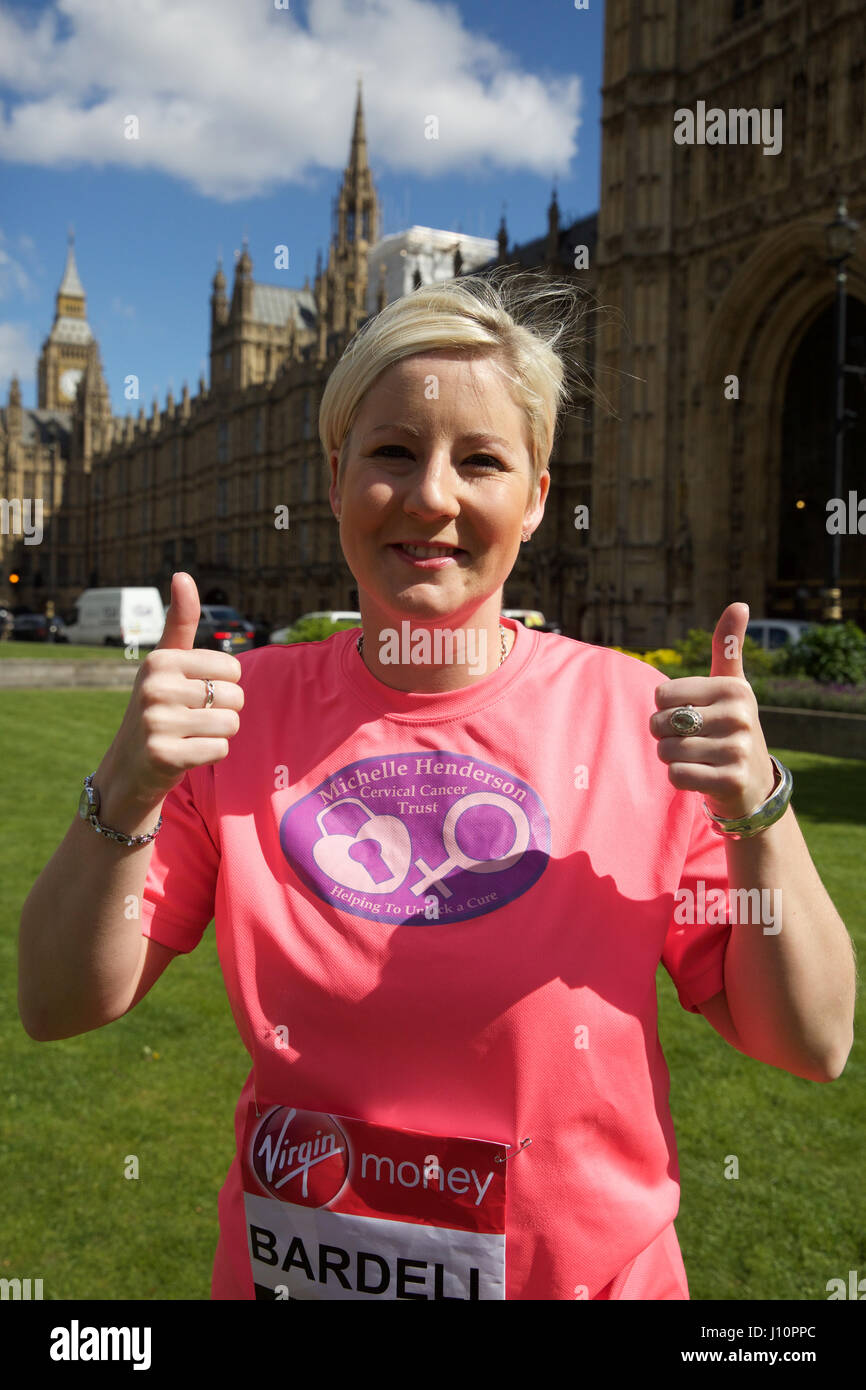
(518,317)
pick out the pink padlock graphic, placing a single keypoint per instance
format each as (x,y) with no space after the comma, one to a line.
(375,860)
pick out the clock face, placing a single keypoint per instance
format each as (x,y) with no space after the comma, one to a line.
(69,382)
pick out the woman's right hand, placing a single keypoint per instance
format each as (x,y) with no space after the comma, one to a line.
(166,728)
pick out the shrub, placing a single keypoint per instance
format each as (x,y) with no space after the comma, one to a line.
(627,651)
(696,653)
(799,692)
(832,653)
(757,662)
(317,629)
(696,649)
(663,656)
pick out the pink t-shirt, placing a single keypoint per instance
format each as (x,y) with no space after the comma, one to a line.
(444,913)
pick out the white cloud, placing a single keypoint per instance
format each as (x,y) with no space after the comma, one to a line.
(14,278)
(235,99)
(121,308)
(17,355)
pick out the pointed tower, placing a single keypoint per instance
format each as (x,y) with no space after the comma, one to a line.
(64,356)
(552,255)
(502,239)
(232,332)
(242,290)
(356,228)
(13,411)
(95,422)
(219,305)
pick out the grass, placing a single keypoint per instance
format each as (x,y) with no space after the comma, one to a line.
(161,1084)
(72,1111)
(794,1218)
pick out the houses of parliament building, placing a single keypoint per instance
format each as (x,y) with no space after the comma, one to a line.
(707,470)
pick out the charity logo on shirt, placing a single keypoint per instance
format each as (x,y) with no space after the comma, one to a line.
(431,835)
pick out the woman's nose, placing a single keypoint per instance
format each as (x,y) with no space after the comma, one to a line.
(432,486)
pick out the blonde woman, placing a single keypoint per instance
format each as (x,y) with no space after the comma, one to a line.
(445,856)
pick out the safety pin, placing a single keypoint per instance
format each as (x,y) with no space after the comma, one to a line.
(503,1158)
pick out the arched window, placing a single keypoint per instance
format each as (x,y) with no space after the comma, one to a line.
(807,482)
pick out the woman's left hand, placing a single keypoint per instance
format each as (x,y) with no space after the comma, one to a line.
(728,760)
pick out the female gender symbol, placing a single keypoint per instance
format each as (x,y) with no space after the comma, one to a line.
(457,858)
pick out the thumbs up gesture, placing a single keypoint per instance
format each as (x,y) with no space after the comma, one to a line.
(728,760)
(182,618)
(183,711)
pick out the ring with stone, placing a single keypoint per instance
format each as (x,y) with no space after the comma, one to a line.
(209,698)
(686,720)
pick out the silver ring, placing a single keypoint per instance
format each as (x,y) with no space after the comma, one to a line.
(686,720)
(209,699)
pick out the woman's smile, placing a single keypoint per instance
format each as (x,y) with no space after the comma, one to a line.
(427,555)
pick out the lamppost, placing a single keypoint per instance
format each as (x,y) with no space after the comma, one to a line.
(841,234)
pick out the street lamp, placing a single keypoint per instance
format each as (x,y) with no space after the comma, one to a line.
(841,235)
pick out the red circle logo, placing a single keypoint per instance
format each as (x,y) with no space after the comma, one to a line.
(300,1156)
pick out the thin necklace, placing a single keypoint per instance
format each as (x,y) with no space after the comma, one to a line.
(360,644)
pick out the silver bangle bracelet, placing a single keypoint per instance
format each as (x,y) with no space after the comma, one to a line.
(88,809)
(122,839)
(769,811)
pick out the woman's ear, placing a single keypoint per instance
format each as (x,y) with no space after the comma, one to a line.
(532,516)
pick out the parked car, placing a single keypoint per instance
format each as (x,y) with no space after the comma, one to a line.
(222,629)
(36,627)
(260,629)
(117,617)
(772,633)
(335,615)
(531,617)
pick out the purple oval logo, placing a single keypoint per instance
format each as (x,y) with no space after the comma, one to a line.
(429,836)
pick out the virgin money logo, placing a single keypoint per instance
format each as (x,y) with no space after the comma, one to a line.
(300,1156)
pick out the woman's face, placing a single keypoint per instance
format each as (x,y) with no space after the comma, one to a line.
(438,454)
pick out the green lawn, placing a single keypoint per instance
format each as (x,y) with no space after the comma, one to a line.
(162,1083)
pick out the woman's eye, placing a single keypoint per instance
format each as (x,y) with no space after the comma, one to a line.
(401,449)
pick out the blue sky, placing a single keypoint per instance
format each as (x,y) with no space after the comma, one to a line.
(245,115)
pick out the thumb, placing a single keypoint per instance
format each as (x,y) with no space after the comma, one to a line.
(728,641)
(183,615)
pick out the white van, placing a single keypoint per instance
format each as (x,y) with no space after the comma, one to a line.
(116,617)
(772,633)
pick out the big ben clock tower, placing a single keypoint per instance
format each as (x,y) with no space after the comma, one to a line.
(64,352)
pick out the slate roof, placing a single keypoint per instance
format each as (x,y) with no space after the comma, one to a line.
(275,304)
(43,427)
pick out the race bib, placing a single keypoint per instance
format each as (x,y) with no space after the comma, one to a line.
(338,1208)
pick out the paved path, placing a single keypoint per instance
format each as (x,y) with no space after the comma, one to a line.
(19,673)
